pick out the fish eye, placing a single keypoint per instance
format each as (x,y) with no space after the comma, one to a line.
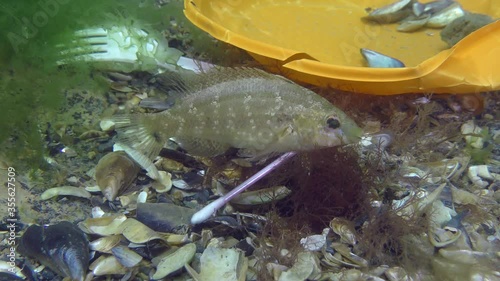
(333,122)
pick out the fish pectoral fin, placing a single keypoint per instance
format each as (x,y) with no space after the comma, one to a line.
(247,153)
(286,131)
(256,156)
(202,147)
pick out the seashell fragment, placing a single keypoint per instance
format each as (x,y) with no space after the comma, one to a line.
(379,270)
(441,237)
(97,212)
(378,60)
(354,275)
(164,182)
(439,214)
(65,191)
(306,267)
(105,244)
(390,13)
(107,265)
(93,188)
(417,201)
(103,226)
(62,247)
(125,256)
(142,197)
(175,261)
(413,25)
(396,274)
(345,229)
(463,197)
(345,251)
(446,16)
(171,165)
(137,232)
(15,272)
(275,269)
(107,125)
(163,217)
(477,173)
(437,6)
(315,243)
(336,261)
(472,134)
(125,200)
(220,264)
(262,196)
(463,256)
(418,8)
(114,173)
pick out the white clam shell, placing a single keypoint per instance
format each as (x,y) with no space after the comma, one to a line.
(175,261)
(65,191)
(306,267)
(103,226)
(137,232)
(107,265)
(105,244)
(220,264)
(125,256)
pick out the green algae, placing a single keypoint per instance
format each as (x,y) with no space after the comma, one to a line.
(32,84)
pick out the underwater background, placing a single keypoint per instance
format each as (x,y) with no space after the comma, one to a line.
(408,190)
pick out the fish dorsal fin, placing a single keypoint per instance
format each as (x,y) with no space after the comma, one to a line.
(189,83)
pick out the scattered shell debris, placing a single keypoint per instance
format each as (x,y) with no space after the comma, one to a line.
(438,203)
(414,15)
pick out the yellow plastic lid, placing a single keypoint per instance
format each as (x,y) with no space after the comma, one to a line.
(318,42)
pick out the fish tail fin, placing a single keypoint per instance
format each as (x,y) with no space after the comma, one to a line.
(140,132)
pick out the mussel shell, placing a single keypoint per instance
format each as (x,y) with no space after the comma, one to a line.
(446,16)
(390,13)
(437,6)
(114,173)
(163,217)
(413,24)
(62,247)
(4,276)
(376,59)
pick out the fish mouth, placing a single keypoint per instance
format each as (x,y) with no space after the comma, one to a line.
(352,135)
(330,139)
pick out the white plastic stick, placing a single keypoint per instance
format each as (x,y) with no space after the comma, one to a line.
(211,208)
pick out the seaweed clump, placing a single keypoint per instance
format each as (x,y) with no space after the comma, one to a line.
(325,183)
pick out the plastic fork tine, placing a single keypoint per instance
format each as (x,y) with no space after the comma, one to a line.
(125,45)
(94,40)
(92,32)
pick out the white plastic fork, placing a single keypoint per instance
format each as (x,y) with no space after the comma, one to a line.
(136,46)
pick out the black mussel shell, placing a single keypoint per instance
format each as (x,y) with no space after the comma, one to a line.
(62,247)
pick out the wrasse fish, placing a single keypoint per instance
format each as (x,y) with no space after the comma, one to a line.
(260,114)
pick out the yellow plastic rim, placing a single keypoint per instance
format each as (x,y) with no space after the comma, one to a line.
(318,42)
